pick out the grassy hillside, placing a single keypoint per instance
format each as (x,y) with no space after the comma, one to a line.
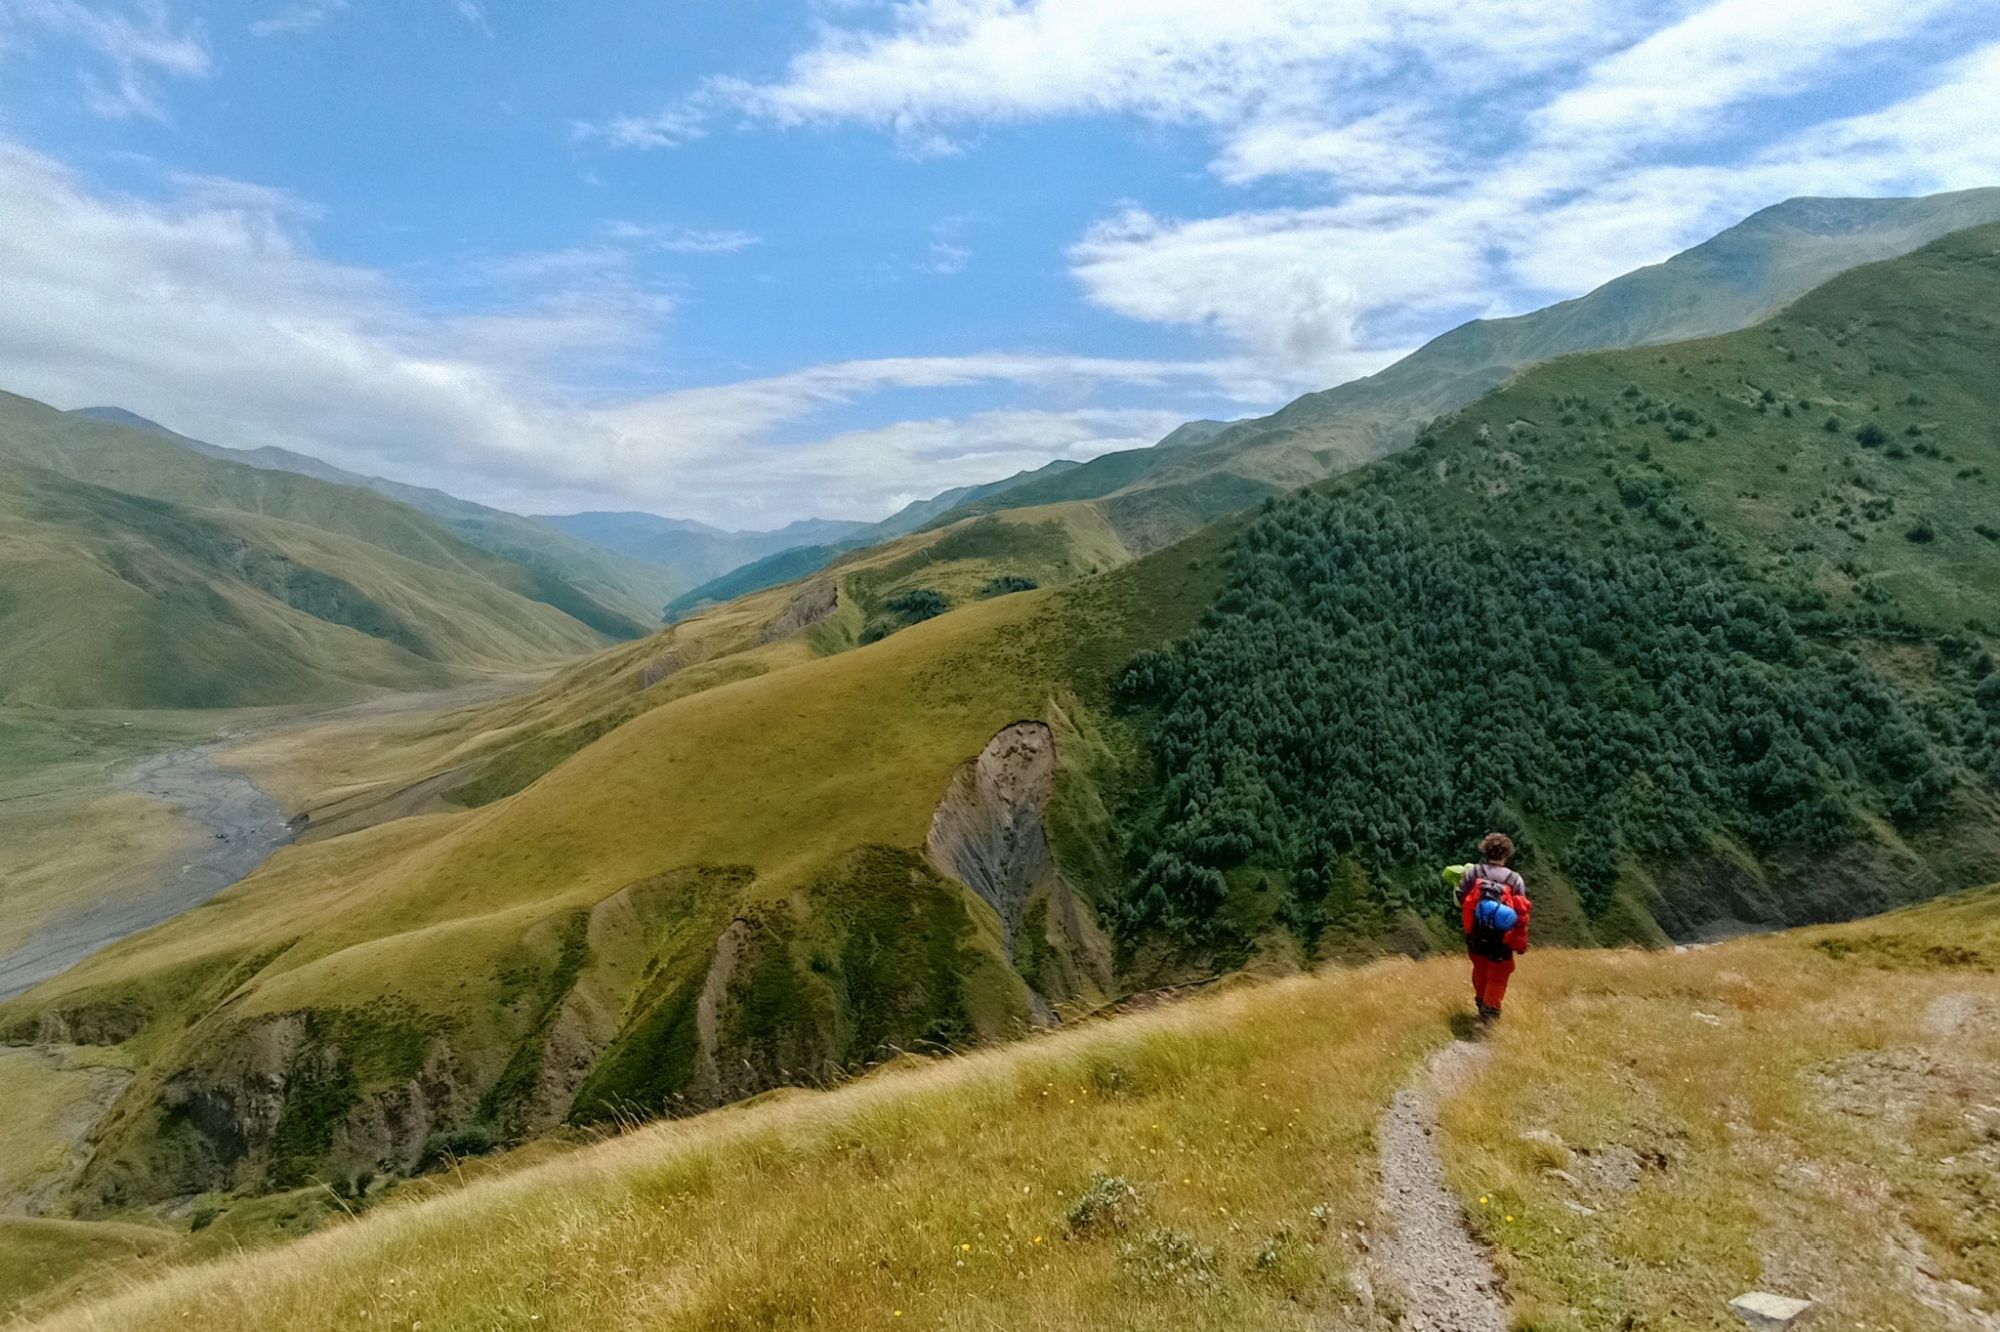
(116,600)
(140,574)
(709,864)
(1733,280)
(1647,1137)
(625,586)
(1716,606)
(945,509)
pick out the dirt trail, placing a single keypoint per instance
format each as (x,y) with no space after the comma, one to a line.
(1444,1274)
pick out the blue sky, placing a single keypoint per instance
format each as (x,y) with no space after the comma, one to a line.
(746,262)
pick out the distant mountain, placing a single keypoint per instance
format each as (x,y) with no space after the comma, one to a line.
(1739,276)
(632,587)
(693,552)
(797,561)
(136,572)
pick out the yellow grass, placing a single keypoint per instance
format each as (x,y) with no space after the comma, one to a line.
(1814,1113)
(934,1196)
(50,1102)
(71,850)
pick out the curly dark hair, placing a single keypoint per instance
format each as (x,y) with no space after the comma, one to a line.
(1496,848)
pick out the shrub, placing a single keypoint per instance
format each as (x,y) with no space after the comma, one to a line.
(1110,1203)
(916,604)
(1006,584)
(1871,436)
(1170,1258)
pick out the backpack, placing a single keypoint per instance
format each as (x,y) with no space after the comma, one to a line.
(1492,918)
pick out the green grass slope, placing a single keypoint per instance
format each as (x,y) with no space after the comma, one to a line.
(110,599)
(701,868)
(1735,279)
(136,573)
(630,587)
(149,462)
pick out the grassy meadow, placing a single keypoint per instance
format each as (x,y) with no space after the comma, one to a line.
(1800,1112)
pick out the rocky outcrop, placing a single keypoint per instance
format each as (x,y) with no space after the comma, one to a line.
(709,1085)
(990,832)
(282,1099)
(660,667)
(812,604)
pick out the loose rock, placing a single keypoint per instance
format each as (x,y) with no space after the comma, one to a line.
(1770,1313)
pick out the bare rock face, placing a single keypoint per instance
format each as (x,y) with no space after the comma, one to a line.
(990,834)
(711,1080)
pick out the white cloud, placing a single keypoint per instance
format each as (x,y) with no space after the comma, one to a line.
(137,48)
(1469,157)
(942,64)
(864,474)
(210,312)
(473,12)
(1294,285)
(297,19)
(683,240)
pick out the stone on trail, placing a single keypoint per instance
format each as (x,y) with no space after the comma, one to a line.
(1770,1313)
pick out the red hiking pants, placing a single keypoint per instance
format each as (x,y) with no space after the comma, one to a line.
(1489,980)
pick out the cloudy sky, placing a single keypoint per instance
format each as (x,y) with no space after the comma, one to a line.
(749,262)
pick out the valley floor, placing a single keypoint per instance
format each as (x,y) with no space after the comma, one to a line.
(1647,1136)
(115,822)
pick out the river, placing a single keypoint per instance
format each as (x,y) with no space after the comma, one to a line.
(236,828)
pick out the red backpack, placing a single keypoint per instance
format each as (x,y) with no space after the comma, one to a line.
(1486,937)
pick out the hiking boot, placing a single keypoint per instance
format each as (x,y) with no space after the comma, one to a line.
(1488,1015)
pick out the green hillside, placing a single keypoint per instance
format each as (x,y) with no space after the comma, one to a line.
(1715,663)
(632,588)
(147,462)
(1740,276)
(140,574)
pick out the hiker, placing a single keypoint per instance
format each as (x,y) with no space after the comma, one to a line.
(1494,907)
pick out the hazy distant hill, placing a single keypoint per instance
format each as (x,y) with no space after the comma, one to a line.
(632,587)
(797,561)
(694,551)
(138,572)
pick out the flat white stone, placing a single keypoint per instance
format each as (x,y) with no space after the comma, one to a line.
(1770,1313)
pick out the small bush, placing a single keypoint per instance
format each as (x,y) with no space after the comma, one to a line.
(1921,534)
(1170,1258)
(1871,436)
(917,604)
(1007,584)
(1110,1203)
(474,1139)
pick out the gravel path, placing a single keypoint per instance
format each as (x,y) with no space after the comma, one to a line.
(239,827)
(1445,1275)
